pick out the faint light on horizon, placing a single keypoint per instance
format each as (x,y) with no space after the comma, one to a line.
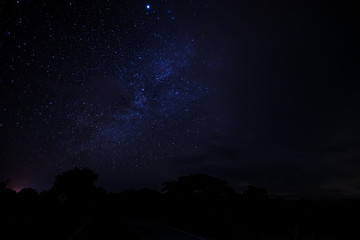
(16,189)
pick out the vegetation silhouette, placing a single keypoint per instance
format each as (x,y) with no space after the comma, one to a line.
(76,188)
(198,184)
(75,208)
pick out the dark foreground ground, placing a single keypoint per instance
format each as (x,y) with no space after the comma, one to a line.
(153,216)
(136,230)
(194,207)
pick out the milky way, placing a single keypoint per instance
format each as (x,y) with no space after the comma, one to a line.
(112,86)
(262,93)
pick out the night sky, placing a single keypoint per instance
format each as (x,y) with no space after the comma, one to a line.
(262,93)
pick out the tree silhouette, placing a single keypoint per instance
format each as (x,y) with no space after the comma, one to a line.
(3,184)
(198,184)
(255,194)
(8,199)
(75,184)
(28,193)
(6,193)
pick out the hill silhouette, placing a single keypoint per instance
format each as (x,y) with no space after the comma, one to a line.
(193,205)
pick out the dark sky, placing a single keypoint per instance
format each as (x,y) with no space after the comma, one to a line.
(254,92)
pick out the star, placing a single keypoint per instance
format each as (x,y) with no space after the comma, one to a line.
(147,6)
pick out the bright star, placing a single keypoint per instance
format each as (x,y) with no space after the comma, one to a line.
(148,6)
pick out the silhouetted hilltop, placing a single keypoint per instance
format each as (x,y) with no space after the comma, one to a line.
(75,208)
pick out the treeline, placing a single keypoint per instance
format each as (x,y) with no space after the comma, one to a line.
(196,203)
